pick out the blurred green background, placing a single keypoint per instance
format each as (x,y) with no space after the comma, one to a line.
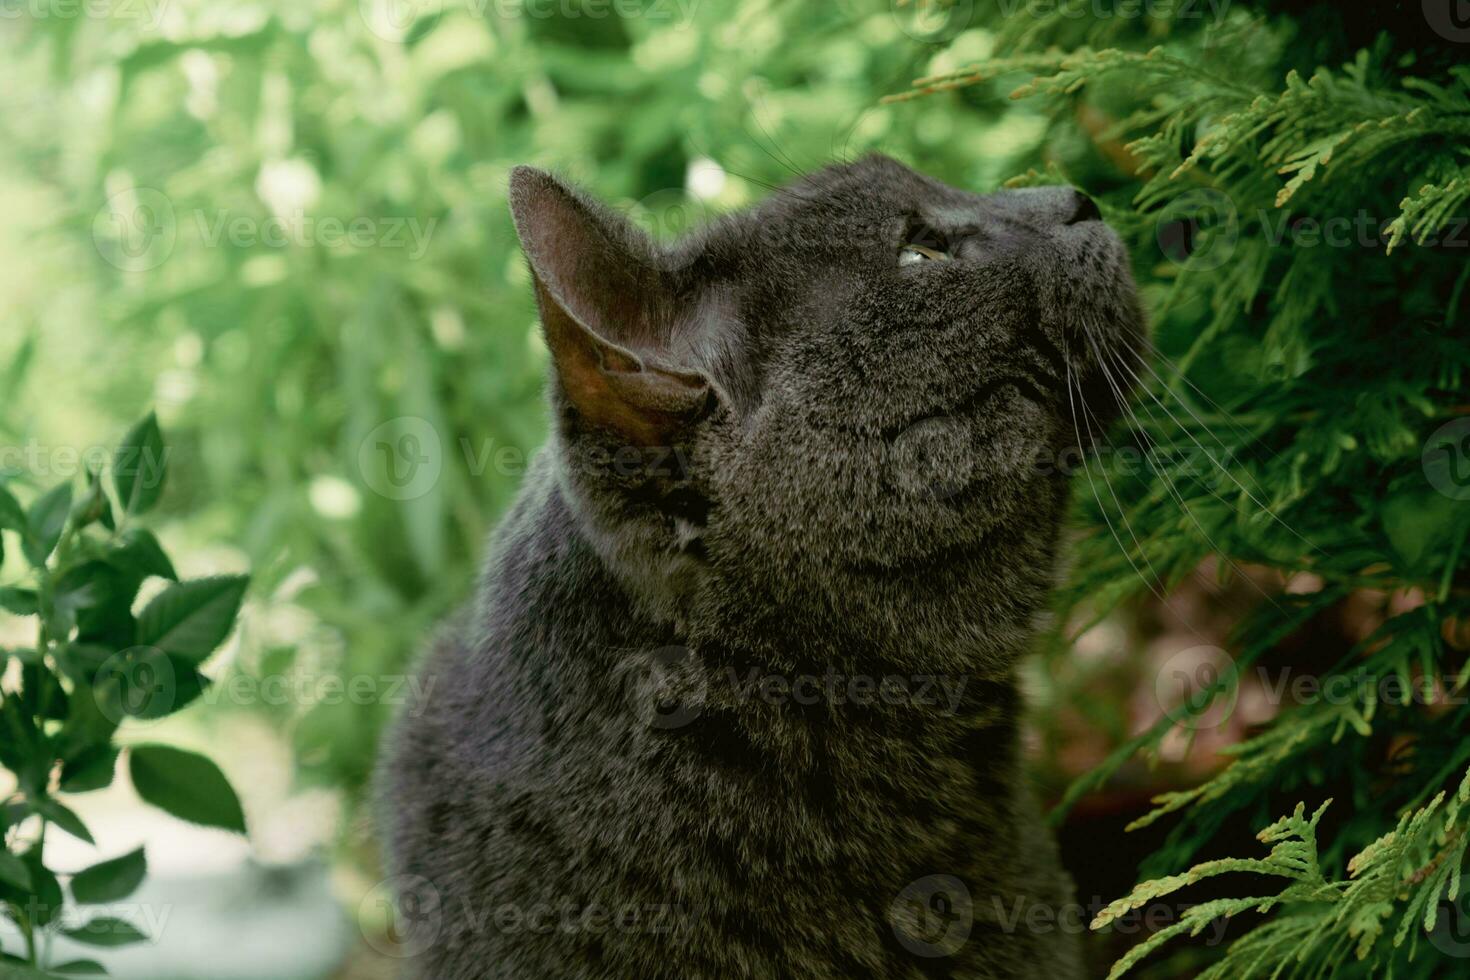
(284,227)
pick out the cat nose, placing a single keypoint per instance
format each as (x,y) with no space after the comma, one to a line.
(1047,207)
(1084,208)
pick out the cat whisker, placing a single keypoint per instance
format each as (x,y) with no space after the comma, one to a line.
(1156,356)
(1247,437)
(1172,487)
(1219,465)
(1087,469)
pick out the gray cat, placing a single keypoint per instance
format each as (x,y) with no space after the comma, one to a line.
(737,697)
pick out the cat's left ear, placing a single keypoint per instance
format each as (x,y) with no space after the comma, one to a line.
(608,312)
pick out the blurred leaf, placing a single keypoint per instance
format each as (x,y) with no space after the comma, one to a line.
(139,466)
(12,515)
(191,619)
(41,694)
(44,899)
(93,505)
(88,727)
(13,872)
(106,931)
(187,785)
(93,770)
(21,748)
(62,817)
(45,522)
(110,881)
(138,552)
(21,602)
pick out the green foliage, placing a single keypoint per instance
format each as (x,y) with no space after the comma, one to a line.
(1286,428)
(94,667)
(1404,874)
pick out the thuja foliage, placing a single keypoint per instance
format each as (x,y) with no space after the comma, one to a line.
(97,665)
(1294,186)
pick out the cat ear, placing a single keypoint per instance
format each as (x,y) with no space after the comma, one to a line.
(608,313)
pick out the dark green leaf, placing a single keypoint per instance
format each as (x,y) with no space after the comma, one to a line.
(41,693)
(147,683)
(190,619)
(106,931)
(21,747)
(63,818)
(92,505)
(186,785)
(12,516)
(44,900)
(138,553)
(81,661)
(21,602)
(110,881)
(81,968)
(13,872)
(103,612)
(92,717)
(45,522)
(138,466)
(90,771)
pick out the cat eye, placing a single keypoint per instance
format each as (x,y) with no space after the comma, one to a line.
(912,254)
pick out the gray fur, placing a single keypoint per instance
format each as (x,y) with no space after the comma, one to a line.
(778,454)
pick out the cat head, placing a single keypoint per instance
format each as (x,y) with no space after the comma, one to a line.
(840,417)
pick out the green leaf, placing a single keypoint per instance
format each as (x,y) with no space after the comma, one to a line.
(21,602)
(186,785)
(138,552)
(45,522)
(63,818)
(12,516)
(190,619)
(44,898)
(13,872)
(21,748)
(92,505)
(81,661)
(41,693)
(106,931)
(110,881)
(138,466)
(92,717)
(1418,524)
(81,968)
(146,683)
(92,770)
